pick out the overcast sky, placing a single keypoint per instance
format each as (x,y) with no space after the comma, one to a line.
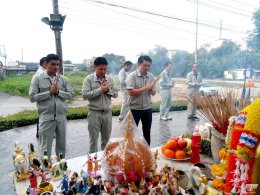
(125,27)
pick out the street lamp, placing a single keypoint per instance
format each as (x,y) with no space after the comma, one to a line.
(56,24)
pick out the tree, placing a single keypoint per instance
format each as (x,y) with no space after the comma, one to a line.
(182,61)
(253,40)
(159,56)
(115,62)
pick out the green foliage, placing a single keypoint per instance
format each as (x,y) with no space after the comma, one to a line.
(30,117)
(16,85)
(115,62)
(159,56)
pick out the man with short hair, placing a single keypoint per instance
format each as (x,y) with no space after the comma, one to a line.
(140,86)
(98,88)
(50,90)
(166,85)
(39,71)
(193,81)
(122,75)
(42,67)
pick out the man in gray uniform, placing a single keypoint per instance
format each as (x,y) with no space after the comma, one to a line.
(140,86)
(50,90)
(98,89)
(165,90)
(122,75)
(193,81)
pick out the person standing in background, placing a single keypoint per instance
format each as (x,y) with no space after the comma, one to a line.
(50,90)
(98,88)
(39,71)
(193,81)
(122,75)
(140,86)
(42,66)
(165,90)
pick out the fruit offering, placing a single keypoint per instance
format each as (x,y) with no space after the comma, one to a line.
(177,148)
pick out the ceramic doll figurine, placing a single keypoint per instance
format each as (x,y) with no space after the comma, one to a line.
(43,175)
(33,158)
(64,184)
(73,179)
(63,163)
(80,186)
(33,182)
(45,162)
(89,162)
(20,163)
(96,165)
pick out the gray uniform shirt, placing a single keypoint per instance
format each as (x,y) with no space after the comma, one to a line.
(165,82)
(50,107)
(192,79)
(122,75)
(91,91)
(134,81)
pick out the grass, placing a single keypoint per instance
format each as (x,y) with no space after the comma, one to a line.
(29,117)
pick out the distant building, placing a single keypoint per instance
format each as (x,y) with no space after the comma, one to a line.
(69,67)
(237,74)
(256,74)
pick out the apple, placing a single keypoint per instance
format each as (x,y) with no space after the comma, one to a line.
(175,138)
(182,143)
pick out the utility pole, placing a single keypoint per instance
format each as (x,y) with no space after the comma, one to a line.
(55,22)
(22,54)
(220,29)
(3,54)
(196,42)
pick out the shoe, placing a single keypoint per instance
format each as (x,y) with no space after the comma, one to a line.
(194,117)
(169,118)
(163,118)
(120,120)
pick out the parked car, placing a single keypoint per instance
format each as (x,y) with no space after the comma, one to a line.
(207,89)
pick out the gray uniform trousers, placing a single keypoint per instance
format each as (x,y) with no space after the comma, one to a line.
(125,105)
(99,121)
(166,101)
(192,107)
(47,131)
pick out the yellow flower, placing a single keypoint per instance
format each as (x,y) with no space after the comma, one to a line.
(253,118)
(222,153)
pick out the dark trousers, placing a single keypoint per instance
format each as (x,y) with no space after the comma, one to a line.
(146,117)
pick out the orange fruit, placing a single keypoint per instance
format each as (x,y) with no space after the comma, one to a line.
(171,144)
(168,153)
(179,154)
(163,148)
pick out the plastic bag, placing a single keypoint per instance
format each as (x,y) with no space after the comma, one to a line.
(127,158)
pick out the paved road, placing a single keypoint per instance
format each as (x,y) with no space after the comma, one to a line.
(77,137)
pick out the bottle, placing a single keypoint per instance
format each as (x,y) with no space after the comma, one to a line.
(195,147)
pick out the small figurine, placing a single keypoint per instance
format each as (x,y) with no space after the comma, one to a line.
(45,162)
(33,158)
(80,186)
(33,179)
(64,184)
(20,163)
(73,179)
(63,163)
(90,164)
(43,176)
(56,171)
(96,165)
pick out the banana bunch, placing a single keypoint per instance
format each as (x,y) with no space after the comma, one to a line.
(187,149)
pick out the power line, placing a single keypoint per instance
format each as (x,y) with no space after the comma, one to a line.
(160,15)
(247,4)
(219,8)
(158,24)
